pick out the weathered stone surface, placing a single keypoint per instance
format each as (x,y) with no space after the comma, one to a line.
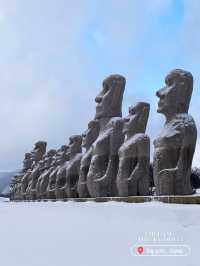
(195,178)
(41,186)
(101,179)
(67,176)
(31,191)
(62,156)
(33,172)
(16,183)
(89,136)
(38,151)
(175,146)
(133,177)
(27,163)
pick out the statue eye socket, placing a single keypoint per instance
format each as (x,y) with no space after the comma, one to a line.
(105,88)
(169,81)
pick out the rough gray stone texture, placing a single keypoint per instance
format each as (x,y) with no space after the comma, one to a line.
(16,182)
(67,179)
(32,173)
(195,178)
(40,186)
(31,192)
(175,146)
(88,137)
(101,178)
(27,162)
(134,155)
(62,156)
(38,151)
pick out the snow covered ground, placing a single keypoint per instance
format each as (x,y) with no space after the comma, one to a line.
(93,234)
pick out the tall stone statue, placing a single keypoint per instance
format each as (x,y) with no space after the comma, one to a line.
(62,156)
(134,154)
(88,137)
(175,146)
(40,187)
(101,179)
(67,179)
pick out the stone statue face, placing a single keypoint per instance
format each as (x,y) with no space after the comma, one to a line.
(137,118)
(90,135)
(39,150)
(75,144)
(109,100)
(62,154)
(27,161)
(176,94)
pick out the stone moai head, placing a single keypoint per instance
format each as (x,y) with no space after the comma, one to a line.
(39,150)
(109,101)
(175,96)
(27,163)
(49,157)
(136,121)
(62,154)
(91,134)
(75,145)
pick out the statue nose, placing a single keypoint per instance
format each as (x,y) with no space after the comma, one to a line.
(160,93)
(98,99)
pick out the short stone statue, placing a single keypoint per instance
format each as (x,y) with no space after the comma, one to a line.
(134,154)
(88,137)
(62,156)
(16,182)
(33,173)
(31,191)
(175,146)
(41,186)
(66,182)
(101,178)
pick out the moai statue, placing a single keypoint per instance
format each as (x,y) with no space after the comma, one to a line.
(62,156)
(134,154)
(17,179)
(67,177)
(43,180)
(27,162)
(24,184)
(33,173)
(101,178)
(175,146)
(31,191)
(39,151)
(88,137)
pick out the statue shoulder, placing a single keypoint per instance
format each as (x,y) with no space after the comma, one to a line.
(116,122)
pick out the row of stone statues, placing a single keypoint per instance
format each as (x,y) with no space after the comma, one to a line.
(112,157)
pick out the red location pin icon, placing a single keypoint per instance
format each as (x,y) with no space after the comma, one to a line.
(140,250)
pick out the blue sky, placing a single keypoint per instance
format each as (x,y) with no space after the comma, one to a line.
(55,54)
